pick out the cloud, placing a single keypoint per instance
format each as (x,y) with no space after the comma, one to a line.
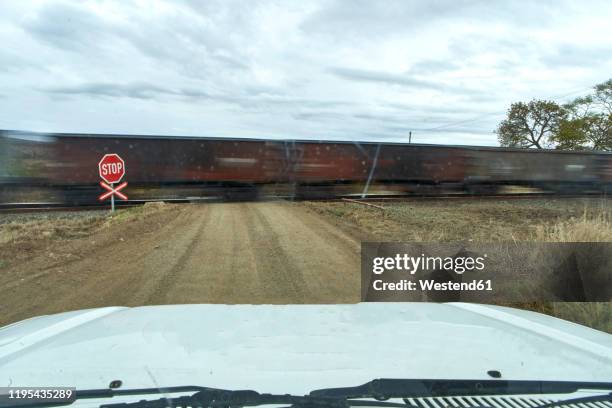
(133,90)
(67,26)
(383,77)
(314,69)
(406,80)
(12,62)
(576,55)
(429,67)
(253,100)
(365,18)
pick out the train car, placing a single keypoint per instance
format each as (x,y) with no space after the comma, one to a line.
(23,157)
(67,164)
(24,165)
(418,168)
(400,167)
(234,166)
(315,162)
(605,170)
(323,169)
(421,167)
(550,170)
(162,160)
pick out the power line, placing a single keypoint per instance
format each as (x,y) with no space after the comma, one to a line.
(480,117)
(461,121)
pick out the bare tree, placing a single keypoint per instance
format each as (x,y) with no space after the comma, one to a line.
(534,124)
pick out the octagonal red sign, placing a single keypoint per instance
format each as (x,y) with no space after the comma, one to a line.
(111,168)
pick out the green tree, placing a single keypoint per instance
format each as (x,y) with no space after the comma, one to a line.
(588,125)
(534,124)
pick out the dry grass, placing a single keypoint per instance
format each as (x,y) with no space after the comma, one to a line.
(541,220)
(472,220)
(24,234)
(31,228)
(21,235)
(50,228)
(593,226)
(136,213)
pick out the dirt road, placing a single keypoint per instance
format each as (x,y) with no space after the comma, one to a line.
(271,252)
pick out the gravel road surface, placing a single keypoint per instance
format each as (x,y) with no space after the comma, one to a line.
(267,252)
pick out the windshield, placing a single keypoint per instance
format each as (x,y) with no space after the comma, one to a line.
(291,196)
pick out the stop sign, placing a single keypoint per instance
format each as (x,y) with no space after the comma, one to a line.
(111,168)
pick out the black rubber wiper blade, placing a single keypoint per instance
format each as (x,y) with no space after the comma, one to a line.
(107,393)
(209,397)
(247,398)
(385,388)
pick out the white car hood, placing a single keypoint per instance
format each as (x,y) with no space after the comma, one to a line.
(294,349)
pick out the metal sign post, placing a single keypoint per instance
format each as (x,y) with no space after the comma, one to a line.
(112,199)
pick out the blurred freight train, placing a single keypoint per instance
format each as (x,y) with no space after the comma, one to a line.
(65,166)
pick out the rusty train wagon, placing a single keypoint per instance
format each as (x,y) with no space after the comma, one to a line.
(319,166)
(420,168)
(549,170)
(159,162)
(322,169)
(239,168)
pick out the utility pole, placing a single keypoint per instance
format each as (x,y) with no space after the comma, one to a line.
(410,137)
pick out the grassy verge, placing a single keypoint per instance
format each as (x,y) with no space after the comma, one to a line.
(45,228)
(136,213)
(68,225)
(592,226)
(453,220)
(526,220)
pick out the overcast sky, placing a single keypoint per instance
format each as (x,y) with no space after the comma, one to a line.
(352,70)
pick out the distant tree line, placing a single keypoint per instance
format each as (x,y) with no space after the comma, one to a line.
(583,124)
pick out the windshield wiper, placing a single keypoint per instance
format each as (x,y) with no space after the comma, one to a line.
(211,398)
(385,388)
(215,398)
(346,397)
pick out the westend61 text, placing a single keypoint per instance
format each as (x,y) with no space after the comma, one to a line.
(428,284)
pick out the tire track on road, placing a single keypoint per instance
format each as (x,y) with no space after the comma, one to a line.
(328,258)
(280,275)
(168,280)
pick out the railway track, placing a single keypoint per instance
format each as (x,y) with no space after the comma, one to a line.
(57,206)
(465,196)
(378,198)
(50,207)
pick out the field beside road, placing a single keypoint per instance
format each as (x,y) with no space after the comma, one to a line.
(478,220)
(485,220)
(265,252)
